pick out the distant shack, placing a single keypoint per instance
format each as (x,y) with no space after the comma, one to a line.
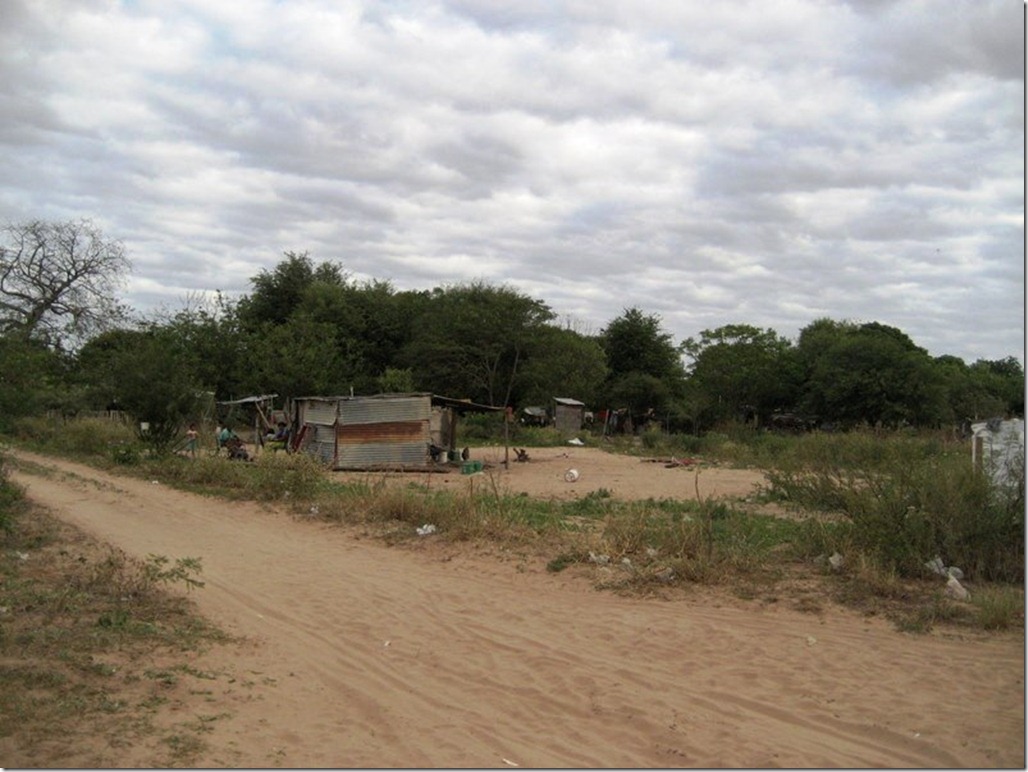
(568,415)
(385,431)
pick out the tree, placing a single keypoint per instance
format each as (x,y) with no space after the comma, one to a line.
(1004,380)
(560,363)
(874,373)
(58,281)
(277,293)
(644,367)
(30,379)
(742,368)
(471,341)
(149,375)
(295,359)
(635,342)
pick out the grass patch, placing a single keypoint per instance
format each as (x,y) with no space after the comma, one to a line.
(76,619)
(888,503)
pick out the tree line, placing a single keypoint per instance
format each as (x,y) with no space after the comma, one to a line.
(309,328)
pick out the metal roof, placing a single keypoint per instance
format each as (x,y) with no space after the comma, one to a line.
(568,401)
(248,400)
(460,405)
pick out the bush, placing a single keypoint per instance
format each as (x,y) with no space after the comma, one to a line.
(905,503)
(11,499)
(75,437)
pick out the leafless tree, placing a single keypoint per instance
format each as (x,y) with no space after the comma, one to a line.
(58,281)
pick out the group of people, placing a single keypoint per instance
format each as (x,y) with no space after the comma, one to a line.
(275,439)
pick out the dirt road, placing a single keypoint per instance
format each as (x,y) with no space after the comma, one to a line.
(365,655)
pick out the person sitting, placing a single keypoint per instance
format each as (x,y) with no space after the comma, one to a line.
(280,439)
(236,449)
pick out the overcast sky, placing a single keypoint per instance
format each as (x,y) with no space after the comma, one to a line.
(764,163)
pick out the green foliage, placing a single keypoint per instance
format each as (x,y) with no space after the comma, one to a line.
(156,570)
(904,504)
(999,608)
(471,340)
(740,370)
(31,378)
(560,363)
(871,374)
(74,437)
(396,381)
(12,498)
(636,343)
(153,381)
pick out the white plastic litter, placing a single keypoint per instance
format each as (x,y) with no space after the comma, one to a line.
(571,475)
(426,529)
(955,589)
(837,561)
(601,559)
(576,441)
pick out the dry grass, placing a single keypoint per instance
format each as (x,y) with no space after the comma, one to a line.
(94,654)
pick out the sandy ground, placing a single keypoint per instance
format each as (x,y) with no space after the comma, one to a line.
(370,656)
(624,477)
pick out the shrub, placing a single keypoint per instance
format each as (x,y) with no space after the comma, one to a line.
(908,502)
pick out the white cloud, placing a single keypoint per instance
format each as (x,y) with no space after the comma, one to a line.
(765,163)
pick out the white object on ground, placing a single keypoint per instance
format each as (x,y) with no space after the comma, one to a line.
(571,475)
(955,589)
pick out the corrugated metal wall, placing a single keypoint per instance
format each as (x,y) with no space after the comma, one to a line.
(323,443)
(383,432)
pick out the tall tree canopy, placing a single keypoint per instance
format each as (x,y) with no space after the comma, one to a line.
(741,369)
(872,373)
(644,366)
(470,340)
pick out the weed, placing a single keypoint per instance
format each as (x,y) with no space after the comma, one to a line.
(999,608)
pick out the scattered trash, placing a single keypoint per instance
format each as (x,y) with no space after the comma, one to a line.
(936,566)
(679,462)
(576,442)
(426,529)
(811,640)
(955,589)
(509,763)
(314,510)
(571,475)
(387,643)
(601,559)
(836,561)
(154,482)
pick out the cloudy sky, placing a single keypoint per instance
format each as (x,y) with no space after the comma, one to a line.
(765,163)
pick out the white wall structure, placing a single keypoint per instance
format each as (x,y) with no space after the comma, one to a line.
(997,448)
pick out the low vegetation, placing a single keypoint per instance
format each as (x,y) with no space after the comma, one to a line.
(82,627)
(883,504)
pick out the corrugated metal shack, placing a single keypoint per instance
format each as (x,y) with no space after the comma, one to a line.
(384,431)
(568,414)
